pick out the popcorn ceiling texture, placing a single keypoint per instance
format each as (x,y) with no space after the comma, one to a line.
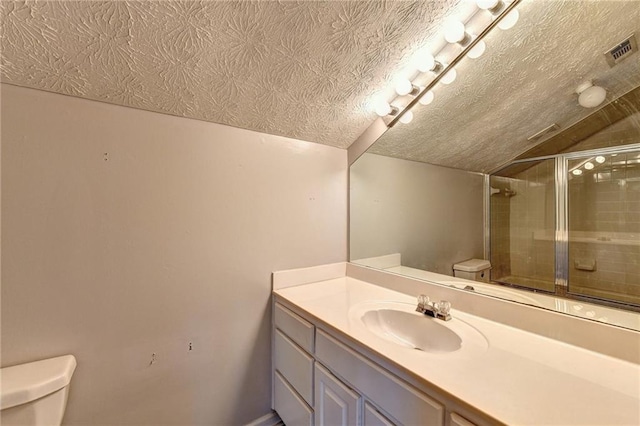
(302,69)
(525,82)
(310,69)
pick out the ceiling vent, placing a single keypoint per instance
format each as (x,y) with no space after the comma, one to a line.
(544,132)
(622,50)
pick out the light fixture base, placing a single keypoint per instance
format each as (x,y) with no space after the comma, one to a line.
(584,86)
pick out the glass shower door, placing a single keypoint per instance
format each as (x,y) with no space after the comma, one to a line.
(522,212)
(604,226)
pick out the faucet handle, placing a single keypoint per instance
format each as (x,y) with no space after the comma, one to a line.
(444,307)
(424,300)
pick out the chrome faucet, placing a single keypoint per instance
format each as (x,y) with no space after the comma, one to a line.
(440,310)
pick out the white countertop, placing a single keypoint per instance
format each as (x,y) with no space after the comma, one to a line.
(521,378)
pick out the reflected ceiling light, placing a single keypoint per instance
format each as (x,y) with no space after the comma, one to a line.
(406,117)
(600,159)
(383,109)
(590,96)
(449,77)
(405,87)
(477,50)
(588,165)
(427,98)
(455,32)
(509,20)
(577,172)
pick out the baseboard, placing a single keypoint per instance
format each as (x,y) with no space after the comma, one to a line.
(271,419)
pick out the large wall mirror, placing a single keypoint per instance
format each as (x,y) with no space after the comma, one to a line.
(506,165)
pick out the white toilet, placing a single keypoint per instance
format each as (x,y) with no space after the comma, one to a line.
(473,269)
(35,394)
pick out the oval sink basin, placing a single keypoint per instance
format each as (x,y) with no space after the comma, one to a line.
(414,331)
(399,323)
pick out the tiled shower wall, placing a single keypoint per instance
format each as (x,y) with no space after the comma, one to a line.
(500,233)
(532,221)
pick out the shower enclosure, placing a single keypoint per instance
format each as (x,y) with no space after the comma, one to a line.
(569,224)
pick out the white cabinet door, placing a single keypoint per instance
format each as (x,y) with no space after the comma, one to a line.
(457,420)
(373,417)
(404,403)
(335,403)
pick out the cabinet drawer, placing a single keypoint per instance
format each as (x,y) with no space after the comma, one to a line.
(295,365)
(289,406)
(403,402)
(298,329)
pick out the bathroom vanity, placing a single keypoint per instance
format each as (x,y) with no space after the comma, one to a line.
(349,352)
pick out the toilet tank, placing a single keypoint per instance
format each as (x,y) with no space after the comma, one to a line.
(473,269)
(36,393)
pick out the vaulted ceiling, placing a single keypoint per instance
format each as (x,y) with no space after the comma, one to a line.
(302,69)
(312,69)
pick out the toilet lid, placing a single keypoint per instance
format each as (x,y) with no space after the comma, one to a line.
(27,382)
(472,265)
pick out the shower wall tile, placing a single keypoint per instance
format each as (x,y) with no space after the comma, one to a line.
(617,274)
(530,212)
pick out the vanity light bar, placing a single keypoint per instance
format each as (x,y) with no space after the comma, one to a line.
(456,33)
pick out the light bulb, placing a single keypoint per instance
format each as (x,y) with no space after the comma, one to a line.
(427,98)
(509,20)
(449,77)
(425,62)
(405,87)
(487,4)
(589,165)
(477,50)
(577,172)
(600,159)
(383,109)
(454,32)
(406,117)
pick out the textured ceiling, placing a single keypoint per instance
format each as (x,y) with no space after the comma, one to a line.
(525,82)
(305,69)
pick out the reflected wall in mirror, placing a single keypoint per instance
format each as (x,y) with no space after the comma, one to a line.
(421,223)
(427,214)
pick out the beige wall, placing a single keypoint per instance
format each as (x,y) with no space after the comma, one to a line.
(127,233)
(431,215)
